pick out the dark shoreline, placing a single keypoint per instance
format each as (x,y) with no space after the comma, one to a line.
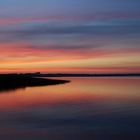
(14,81)
(87,75)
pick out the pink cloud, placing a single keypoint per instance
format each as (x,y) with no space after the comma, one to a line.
(93,16)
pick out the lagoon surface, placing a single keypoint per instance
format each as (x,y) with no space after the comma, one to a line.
(84,109)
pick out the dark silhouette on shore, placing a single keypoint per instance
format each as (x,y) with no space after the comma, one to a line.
(38,74)
(14,81)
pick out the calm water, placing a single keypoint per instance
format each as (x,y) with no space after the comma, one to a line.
(85,109)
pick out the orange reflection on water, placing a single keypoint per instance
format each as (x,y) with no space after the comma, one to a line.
(79,90)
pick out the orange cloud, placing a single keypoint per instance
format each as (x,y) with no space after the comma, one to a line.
(22,57)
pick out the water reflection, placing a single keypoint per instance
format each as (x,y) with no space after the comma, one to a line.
(86,108)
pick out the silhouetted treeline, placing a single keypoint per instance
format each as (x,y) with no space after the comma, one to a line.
(38,74)
(90,75)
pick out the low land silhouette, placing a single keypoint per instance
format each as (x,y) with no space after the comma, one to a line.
(38,74)
(14,81)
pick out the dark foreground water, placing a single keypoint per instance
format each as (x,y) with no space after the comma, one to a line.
(85,109)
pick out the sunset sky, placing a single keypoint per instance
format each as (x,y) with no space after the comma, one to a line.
(70,36)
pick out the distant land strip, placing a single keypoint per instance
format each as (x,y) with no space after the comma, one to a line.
(38,74)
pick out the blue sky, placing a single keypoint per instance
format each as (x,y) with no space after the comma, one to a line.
(64,7)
